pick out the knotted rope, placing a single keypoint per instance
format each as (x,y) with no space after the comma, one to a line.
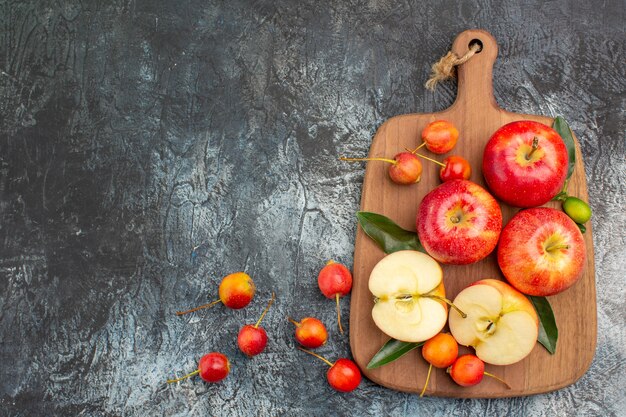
(444,68)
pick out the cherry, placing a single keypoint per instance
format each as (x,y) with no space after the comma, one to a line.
(310,332)
(405,167)
(213,367)
(252,339)
(439,351)
(335,280)
(344,375)
(452,168)
(235,291)
(469,370)
(455,168)
(440,136)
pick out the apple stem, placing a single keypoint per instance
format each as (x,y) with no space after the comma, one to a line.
(430,368)
(169,381)
(424,156)
(534,147)
(495,377)
(211,304)
(295,323)
(418,148)
(256,326)
(554,247)
(391,161)
(316,355)
(338,313)
(445,300)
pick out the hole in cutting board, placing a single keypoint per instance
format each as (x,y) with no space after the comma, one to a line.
(476,42)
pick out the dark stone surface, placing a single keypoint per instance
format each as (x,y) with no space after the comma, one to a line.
(132,132)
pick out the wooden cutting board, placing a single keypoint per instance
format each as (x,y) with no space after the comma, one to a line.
(476,115)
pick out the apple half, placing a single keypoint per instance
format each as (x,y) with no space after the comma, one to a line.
(501,323)
(408,290)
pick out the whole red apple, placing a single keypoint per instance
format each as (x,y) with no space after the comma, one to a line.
(459,222)
(525,163)
(541,252)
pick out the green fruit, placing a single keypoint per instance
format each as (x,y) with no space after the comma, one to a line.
(577,209)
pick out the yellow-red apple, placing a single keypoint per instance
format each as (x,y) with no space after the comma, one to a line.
(459,222)
(501,324)
(542,251)
(525,163)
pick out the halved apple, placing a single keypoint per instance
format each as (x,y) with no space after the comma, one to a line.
(408,290)
(501,323)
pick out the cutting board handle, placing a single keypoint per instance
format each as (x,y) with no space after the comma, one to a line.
(475,77)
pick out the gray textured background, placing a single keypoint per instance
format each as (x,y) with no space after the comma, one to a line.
(133,131)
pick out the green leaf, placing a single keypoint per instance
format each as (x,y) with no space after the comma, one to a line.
(548,333)
(392,350)
(388,235)
(562,128)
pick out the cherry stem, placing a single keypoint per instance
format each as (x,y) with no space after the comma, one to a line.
(424,156)
(316,355)
(495,377)
(338,313)
(418,148)
(295,323)
(391,161)
(256,326)
(169,381)
(445,300)
(211,304)
(557,246)
(430,368)
(535,145)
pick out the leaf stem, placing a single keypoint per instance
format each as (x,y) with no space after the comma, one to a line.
(338,313)
(169,381)
(534,147)
(212,303)
(256,326)
(391,161)
(317,356)
(499,379)
(430,368)
(445,300)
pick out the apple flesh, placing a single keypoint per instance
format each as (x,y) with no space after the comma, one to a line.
(408,288)
(501,324)
(525,163)
(459,222)
(542,252)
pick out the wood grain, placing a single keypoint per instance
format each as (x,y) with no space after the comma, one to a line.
(477,115)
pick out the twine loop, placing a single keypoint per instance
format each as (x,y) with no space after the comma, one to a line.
(445,67)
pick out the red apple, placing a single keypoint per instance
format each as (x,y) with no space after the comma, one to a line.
(525,163)
(459,222)
(542,252)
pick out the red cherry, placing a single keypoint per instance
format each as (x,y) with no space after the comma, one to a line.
(236,291)
(455,168)
(469,370)
(405,168)
(335,280)
(439,351)
(214,367)
(343,375)
(310,332)
(440,136)
(252,339)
